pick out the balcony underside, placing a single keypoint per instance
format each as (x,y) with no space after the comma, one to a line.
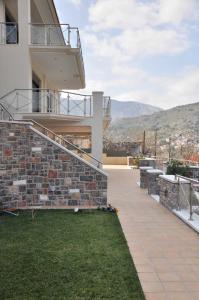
(60,123)
(63,66)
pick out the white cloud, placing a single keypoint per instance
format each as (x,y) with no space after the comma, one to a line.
(167,92)
(76,2)
(121,30)
(106,14)
(124,33)
(175,11)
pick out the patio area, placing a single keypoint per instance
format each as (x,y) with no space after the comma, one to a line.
(164,249)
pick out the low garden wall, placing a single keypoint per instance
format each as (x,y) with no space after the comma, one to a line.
(153,181)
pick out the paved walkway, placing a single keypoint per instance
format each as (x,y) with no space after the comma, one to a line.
(165,250)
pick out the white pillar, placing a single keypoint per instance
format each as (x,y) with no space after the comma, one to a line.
(2,11)
(24,19)
(97,125)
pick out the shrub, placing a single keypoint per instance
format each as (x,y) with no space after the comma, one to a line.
(177,167)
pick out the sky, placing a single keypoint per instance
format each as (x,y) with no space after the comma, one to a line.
(138,50)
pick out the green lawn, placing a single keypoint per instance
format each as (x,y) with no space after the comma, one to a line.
(62,255)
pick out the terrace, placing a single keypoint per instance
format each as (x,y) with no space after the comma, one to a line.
(164,249)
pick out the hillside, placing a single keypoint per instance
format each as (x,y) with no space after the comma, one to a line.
(130,109)
(181,121)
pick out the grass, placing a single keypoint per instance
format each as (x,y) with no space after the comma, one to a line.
(62,255)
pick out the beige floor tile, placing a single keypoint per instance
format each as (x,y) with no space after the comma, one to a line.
(169,276)
(192,286)
(164,250)
(180,296)
(152,287)
(187,276)
(174,286)
(144,268)
(156,296)
(148,277)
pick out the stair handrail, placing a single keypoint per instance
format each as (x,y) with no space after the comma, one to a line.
(99,163)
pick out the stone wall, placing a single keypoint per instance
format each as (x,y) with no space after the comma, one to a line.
(143,177)
(34,170)
(171,194)
(153,181)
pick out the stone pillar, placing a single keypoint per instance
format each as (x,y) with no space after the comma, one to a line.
(97,126)
(171,195)
(143,177)
(153,182)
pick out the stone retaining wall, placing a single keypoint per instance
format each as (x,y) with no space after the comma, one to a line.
(153,181)
(34,170)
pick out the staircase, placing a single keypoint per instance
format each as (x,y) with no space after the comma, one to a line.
(40,169)
(5,115)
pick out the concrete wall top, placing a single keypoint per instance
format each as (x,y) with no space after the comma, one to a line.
(172,179)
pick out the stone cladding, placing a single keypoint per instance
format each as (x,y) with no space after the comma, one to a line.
(36,171)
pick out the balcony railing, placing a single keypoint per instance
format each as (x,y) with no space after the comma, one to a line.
(107,107)
(8,33)
(55,35)
(52,102)
(5,114)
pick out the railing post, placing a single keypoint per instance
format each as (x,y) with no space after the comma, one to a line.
(17,94)
(69,31)
(190,203)
(84,106)
(178,199)
(90,106)
(68,104)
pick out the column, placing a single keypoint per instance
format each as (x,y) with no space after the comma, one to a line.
(97,125)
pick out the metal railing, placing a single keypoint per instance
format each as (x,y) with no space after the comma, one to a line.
(188,197)
(62,141)
(8,33)
(52,102)
(107,106)
(56,35)
(4,114)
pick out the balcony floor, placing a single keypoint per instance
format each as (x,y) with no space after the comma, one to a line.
(165,250)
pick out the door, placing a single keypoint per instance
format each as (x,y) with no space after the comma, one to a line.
(36,95)
(11,29)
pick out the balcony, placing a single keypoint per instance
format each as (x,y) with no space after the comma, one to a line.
(8,33)
(46,104)
(56,49)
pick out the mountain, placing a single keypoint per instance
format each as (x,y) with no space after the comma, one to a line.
(180,121)
(130,109)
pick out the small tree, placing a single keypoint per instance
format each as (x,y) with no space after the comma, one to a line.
(177,167)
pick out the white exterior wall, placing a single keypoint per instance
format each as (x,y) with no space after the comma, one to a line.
(15,62)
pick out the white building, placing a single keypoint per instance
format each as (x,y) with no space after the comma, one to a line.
(40,59)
